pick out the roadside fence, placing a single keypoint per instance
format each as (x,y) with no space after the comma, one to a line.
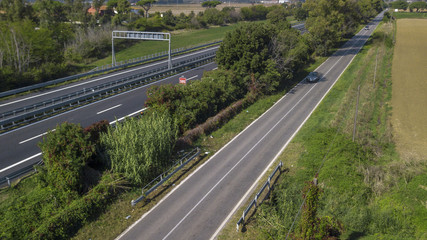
(165,176)
(255,201)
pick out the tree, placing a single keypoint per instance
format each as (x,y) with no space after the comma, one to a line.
(97,5)
(400,4)
(146,5)
(65,153)
(247,50)
(300,14)
(418,5)
(324,23)
(278,17)
(289,51)
(211,4)
(213,16)
(15,10)
(49,12)
(76,10)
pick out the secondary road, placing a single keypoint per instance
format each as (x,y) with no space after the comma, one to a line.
(200,206)
(18,148)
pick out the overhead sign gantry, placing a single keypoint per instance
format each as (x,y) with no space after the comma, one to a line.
(157,36)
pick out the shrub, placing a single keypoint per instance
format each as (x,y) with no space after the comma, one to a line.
(96,129)
(65,152)
(65,222)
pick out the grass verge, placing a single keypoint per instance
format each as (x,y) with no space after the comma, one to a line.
(179,39)
(366,186)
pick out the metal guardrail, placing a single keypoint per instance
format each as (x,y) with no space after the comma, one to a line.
(254,202)
(164,179)
(8,179)
(112,87)
(102,69)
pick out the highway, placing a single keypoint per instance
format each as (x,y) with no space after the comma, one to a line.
(201,205)
(18,148)
(47,94)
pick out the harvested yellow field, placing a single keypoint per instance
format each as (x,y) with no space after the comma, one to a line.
(409,94)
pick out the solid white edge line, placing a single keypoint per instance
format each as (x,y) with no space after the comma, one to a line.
(13,165)
(280,152)
(101,78)
(108,109)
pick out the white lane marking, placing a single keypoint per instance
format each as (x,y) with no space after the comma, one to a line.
(108,109)
(192,77)
(29,139)
(247,153)
(79,84)
(129,115)
(281,150)
(13,165)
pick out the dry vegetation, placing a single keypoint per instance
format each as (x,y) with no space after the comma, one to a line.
(409,89)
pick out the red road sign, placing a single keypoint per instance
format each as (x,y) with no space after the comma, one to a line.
(182,80)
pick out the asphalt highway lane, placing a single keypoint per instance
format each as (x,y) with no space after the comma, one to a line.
(200,205)
(18,148)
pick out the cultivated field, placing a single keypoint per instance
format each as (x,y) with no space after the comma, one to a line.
(409,99)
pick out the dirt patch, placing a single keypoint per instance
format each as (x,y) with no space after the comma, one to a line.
(409,99)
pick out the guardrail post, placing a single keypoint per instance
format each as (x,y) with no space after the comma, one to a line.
(255,200)
(8,181)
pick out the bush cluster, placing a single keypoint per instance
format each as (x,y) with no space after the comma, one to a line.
(193,104)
